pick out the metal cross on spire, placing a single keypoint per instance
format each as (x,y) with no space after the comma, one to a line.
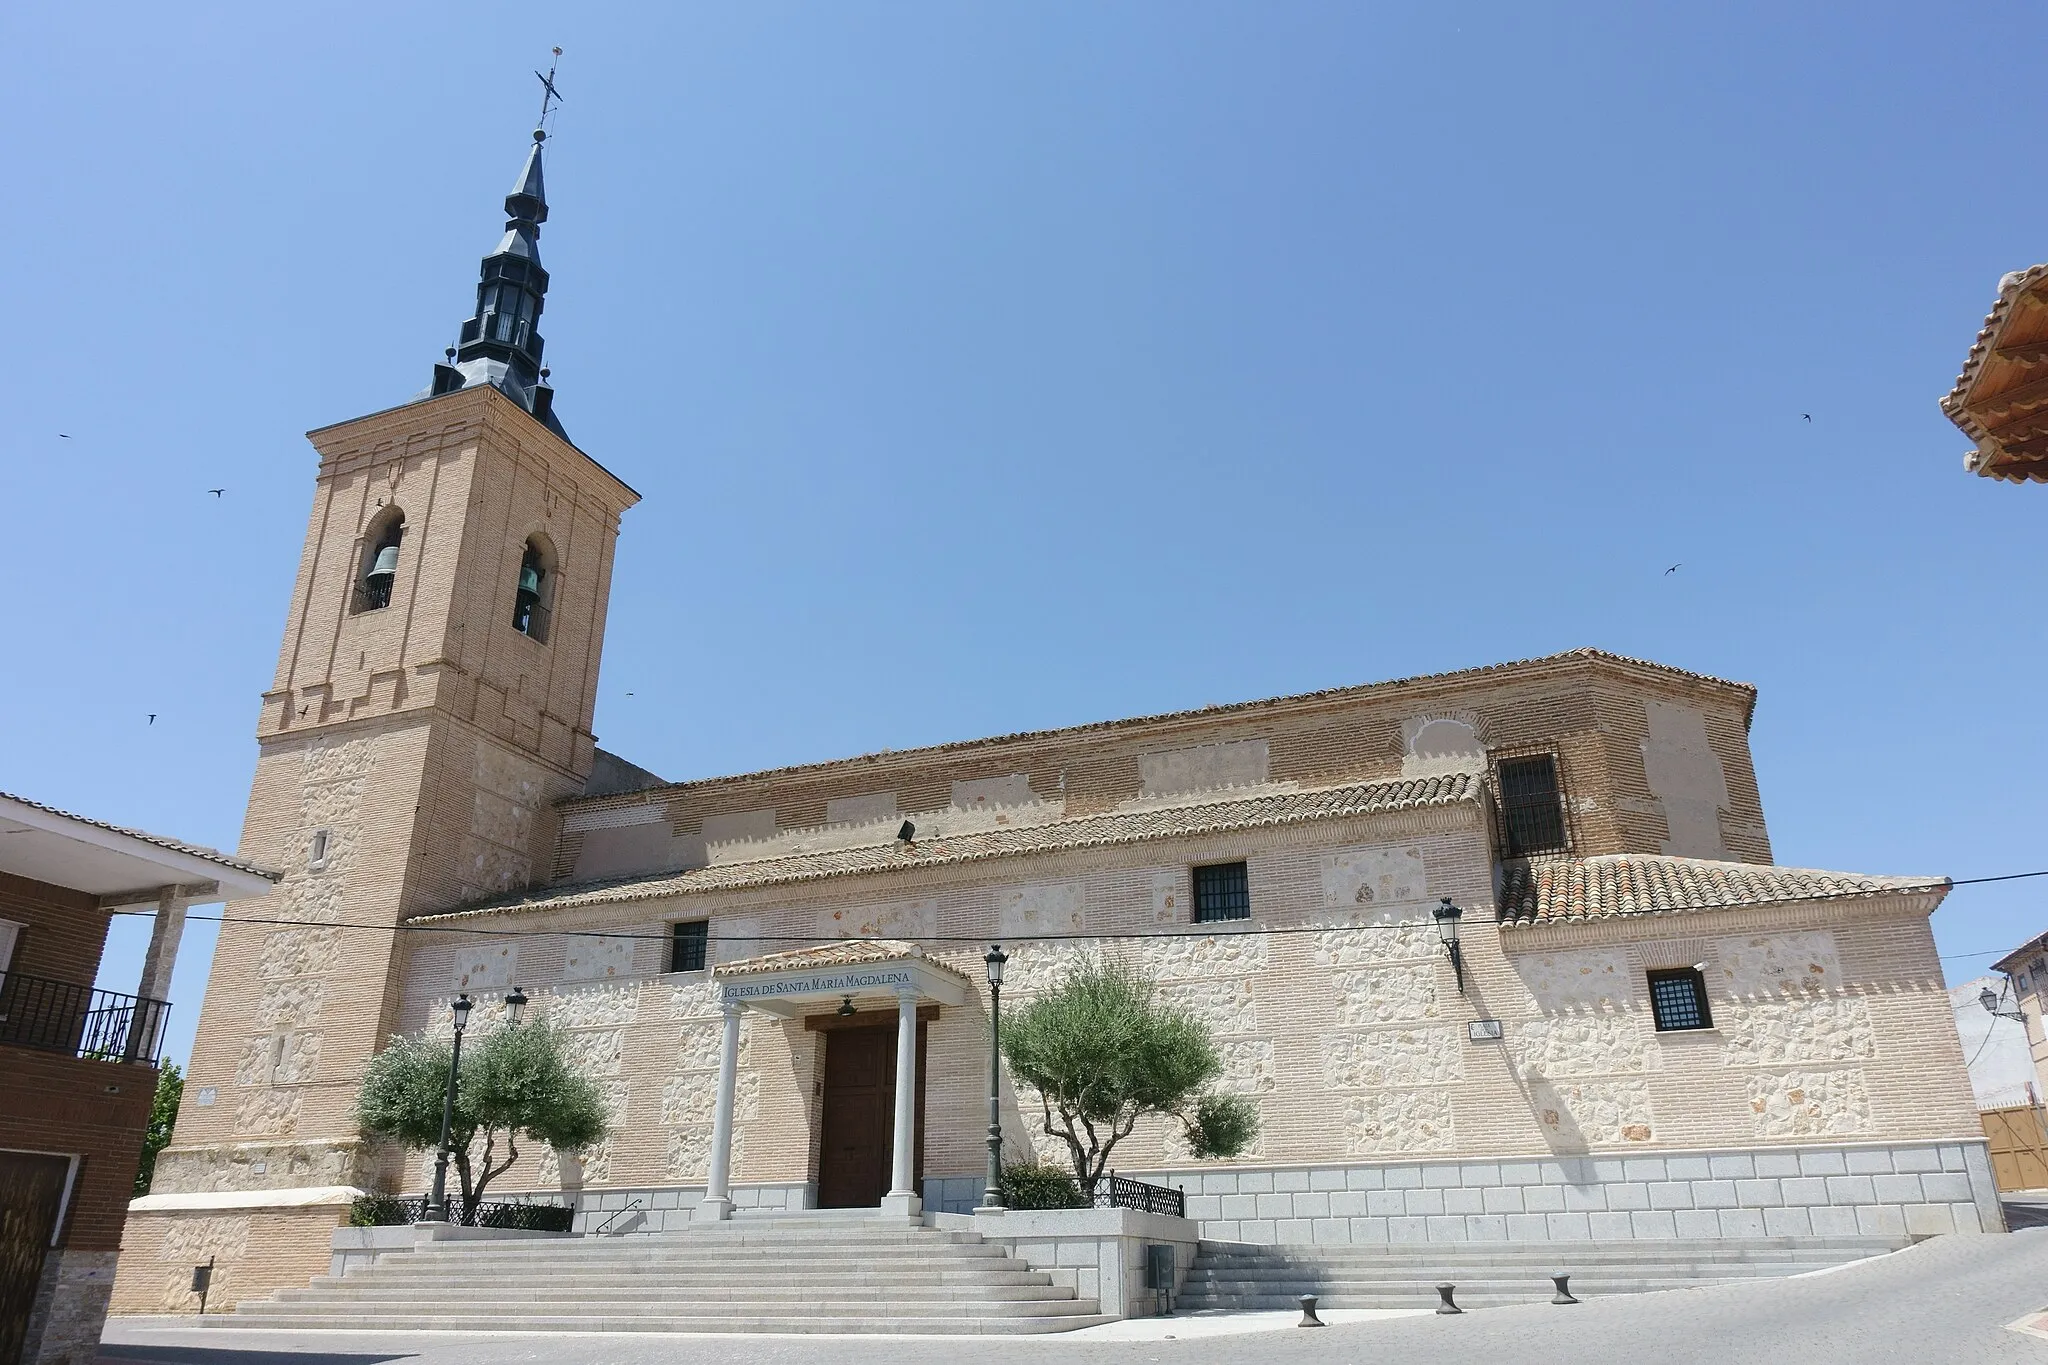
(549,95)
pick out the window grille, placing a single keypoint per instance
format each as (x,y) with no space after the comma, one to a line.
(1678,1000)
(1531,806)
(686,951)
(1222,891)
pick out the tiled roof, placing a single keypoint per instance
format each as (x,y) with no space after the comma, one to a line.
(2010,288)
(1540,891)
(212,855)
(2017,958)
(851,953)
(1204,712)
(1988,457)
(1087,831)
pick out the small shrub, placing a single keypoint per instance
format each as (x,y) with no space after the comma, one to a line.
(1041,1185)
(377,1211)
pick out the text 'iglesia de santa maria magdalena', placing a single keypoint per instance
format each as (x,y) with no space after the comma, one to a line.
(1651,1030)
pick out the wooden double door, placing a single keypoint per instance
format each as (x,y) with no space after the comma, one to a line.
(31,1190)
(857,1121)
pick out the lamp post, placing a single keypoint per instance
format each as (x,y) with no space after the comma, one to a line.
(1447,917)
(515,1007)
(992,1197)
(437,1202)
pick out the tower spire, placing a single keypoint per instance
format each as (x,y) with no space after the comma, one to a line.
(500,343)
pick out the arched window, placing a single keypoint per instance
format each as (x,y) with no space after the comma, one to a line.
(535,590)
(379,570)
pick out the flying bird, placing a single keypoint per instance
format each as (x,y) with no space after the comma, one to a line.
(1673,569)
(216,491)
(152,718)
(1807,415)
(63,435)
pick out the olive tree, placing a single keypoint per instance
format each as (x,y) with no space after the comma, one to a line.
(517,1081)
(1103,1053)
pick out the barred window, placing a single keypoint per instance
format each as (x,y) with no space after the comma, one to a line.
(1222,891)
(686,950)
(1678,1000)
(1531,806)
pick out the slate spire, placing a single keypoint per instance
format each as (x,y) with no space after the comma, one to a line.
(500,344)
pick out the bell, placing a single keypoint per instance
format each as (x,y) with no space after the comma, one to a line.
(529,579)
(386,563)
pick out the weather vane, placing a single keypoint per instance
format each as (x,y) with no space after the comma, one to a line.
(550,95)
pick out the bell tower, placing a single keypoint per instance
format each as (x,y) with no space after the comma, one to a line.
(433,700)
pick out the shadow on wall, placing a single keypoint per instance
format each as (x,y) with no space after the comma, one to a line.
(1554,1120)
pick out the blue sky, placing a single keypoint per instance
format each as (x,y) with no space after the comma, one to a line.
(995,366)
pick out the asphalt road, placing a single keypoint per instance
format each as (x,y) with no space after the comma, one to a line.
(1946,1300)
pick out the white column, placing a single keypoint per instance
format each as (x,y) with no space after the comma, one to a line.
(717,1202)
(902,1199)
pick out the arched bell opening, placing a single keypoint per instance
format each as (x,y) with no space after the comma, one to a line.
(533,595)
(378,574)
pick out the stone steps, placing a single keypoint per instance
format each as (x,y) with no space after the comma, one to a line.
(617,1288)
(725,1321)
(1241,1277)
(546,1253)
(773,1274)
(754,1304)
(350,1292)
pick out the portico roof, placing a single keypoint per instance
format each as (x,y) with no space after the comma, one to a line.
(855,952)
(778,982)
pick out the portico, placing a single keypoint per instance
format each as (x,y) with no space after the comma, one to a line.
(790,985)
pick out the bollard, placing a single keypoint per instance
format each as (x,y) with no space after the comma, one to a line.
(1564,1293)
(1308,1313)
(1443,1291)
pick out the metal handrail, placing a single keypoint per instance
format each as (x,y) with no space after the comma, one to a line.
(617,1214)
(62,1016)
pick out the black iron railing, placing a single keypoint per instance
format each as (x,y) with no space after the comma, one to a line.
(59,1016)
(387,1211)
(1532,824)
(1118,1192)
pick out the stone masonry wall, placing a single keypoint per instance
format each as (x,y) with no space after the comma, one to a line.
(1338,1012)
(256,1252)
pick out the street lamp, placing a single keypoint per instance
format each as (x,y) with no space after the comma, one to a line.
(515,1006)
(992,1197)
(437,1202)
(1447,917)
(1989,999)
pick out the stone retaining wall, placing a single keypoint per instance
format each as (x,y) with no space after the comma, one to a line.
(1889,1190)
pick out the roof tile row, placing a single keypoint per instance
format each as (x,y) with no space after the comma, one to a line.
(1088,831)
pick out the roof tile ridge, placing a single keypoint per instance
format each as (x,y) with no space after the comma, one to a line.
(1462,787)
(1317,697)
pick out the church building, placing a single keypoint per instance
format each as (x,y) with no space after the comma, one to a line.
(1499,955)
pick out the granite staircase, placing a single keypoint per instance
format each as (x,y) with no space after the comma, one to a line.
(1234,1276)
(763,1273)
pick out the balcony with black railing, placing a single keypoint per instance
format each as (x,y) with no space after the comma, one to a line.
(61,1016)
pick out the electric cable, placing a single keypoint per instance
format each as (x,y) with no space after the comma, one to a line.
(1193,929)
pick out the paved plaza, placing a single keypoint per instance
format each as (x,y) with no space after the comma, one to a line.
(1946,1300)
